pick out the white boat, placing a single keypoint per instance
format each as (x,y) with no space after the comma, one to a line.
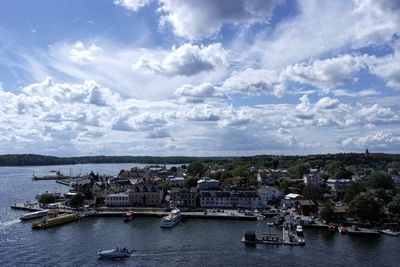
(299,230)
(114,253)
(34,215)
(389,232)
(170,220)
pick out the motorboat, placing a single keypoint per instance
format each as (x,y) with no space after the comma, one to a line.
(342,229)
(170,220)
(34,215)
(299,230)
(389,232)
(129,215)
(115,253)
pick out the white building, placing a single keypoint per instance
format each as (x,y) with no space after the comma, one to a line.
(313,180)
(220,199)
(269,194)
(119,200)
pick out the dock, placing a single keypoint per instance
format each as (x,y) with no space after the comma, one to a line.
(26,206)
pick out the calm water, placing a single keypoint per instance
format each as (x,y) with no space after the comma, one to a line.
(193,242)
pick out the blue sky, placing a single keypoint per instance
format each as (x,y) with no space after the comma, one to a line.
(199,77)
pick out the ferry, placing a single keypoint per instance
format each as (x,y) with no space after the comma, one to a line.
(116,253)
(34,215)
(170,220)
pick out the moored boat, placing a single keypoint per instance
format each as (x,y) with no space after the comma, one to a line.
(56,220)
(299,230)
(332,227)
(342,229)
(389,232)
(170,220)
(355,230)
(34,215)
(114,253)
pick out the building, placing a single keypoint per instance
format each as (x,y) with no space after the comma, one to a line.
(175,181)
(269,194)
(230,199)
(117,200)
(314,180)
(266,177)
(306,207)
(240,182)
(146,194)
(183,197)
(290,200)
(338,184)
(207,184)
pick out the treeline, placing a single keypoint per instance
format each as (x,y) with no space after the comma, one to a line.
(39,160)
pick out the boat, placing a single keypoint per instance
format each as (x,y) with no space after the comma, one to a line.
(116,253)
(332,227)
(301,241)
(389,232)
(34,215)
(355,230)
(170,220)
(250,238)
(55,220)
(342,229)
(299,230)
(130,214)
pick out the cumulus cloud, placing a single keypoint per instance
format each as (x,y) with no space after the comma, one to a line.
(134,5)
(197,94)
(378,140)
(388,68)
(186,60)
(197,19)
(255,82)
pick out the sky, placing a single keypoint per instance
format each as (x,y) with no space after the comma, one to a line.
(199,77)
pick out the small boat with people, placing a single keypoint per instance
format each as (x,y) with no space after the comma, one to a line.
(389,232)
(170,220)
(116,253)
(129,215)
(34,215)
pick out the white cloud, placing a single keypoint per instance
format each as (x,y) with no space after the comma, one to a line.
(378,140)
(388,68)
(197,94)
(197,19)
(327,103)
(185,60)
(134,5)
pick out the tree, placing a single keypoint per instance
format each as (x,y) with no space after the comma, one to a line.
(352,191)
(284,186)
(299,170)
(183,167)
(380,180)
(47,198)
(197,169)
(241,170)
(327,214)
(365,207)
(173,169)
(77,200)
(310,192)
(191,182)
(394,205)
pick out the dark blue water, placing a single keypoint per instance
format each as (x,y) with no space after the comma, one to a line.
(193,242)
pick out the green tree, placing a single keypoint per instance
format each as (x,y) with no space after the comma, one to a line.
(310,192)
(284,186)
(191,182)
(241,170)
(327,214)
(173,169)
(183,167)
(379,179)
(47,198)
(197,169)
(394,205)
(77,200)
(298,170)
(365,207)
(352,191)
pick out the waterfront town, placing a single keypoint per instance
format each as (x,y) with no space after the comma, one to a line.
(331,195)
